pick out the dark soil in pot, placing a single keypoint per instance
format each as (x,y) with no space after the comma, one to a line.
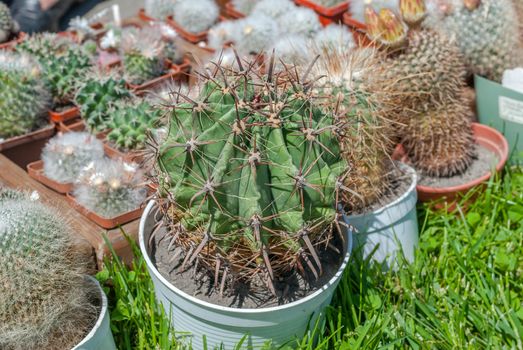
(199,283)
(484,162)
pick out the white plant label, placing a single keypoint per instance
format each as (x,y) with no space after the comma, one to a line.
(511,110)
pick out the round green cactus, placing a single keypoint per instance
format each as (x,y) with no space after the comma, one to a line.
(130,123)
(7,25)
(44,301)
(251,169)
(25,98)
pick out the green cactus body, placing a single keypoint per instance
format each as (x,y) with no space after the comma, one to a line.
(44,302)
(24,97)
(252,172)
(130,124)
(7,25)
(96,98)
(139,68)
(487,36)
(62,61)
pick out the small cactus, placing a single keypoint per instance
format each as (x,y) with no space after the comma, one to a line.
(357,8)
(273,8)
(24,97)
(257,33)
(292,50)
(65,155)
(8,26)
(222,33)
(45,302)
(244,6)
(300,21)
(130,123)
(334,38)
(110,187)
(196,16)
(159,9)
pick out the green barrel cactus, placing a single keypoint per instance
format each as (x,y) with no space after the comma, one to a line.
(96,97)
(249,175)
(130,123)
(24,97)
(8,26)
(62,60)
(44,303)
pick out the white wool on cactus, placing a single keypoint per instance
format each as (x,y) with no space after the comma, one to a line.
(196,16)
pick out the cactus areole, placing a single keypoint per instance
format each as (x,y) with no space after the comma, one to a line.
(249,175)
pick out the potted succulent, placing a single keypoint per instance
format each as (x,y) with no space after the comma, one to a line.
(60,306)
(9,29)
(434,121)
(328,10)
(193,18)
(248,179)
(24,127)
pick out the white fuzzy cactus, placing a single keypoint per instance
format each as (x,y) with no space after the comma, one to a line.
(291,50)
(223,32)
(110,187)
(257,33)
(333,38)
(357,7)
(159,9)
(244,6)
(196,16)
(301,21)
(65,155)
(273,8)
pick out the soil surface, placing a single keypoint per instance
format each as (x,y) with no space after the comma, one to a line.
(199,282)
(484,162)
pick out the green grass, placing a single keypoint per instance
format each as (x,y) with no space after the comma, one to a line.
(464,290)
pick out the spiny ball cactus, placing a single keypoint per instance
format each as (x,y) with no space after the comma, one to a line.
(273,8)
(45,302)
(196,16)
(96,97)
(222,33)
(130,123)
(24,96)
(8,26)
(110,187)
(334,37)
(143,55)
(487,33)
(257,33)
(300,21)
(65,155)
(249,175)
(62,60)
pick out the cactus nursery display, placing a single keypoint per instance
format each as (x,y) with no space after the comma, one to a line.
(45,302)
(110,187)
(8,26)
(66,154)
(25,96)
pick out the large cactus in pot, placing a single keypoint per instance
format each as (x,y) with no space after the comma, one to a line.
(249,176)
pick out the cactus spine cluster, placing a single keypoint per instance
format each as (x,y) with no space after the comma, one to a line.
(425,71)
(97,96)
(196,16)
(110,187)
(487,33)
(45,302)
(24,96)
(65,155)
(62,61)
(249,175)
(130,123)
(8,26)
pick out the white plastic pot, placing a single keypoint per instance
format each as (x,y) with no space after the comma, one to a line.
(390,230)
(100,337)
(226,326)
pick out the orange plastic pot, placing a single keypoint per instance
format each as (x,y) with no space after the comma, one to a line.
(327,15)
(144,16)
(66,114)
(27,148)
(485,136)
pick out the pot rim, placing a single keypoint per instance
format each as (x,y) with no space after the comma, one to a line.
(478,181)
(152,267)
(101,316)
(412,188)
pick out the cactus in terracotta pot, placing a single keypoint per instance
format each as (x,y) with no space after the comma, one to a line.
(8,26)
(24,95)
(45,302)
(249,175)
(256,33)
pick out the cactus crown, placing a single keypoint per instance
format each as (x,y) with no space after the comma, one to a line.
(249,175)
(44,303)
(25,99)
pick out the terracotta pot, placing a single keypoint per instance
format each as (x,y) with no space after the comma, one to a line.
(16,40)
(66,114)
(327,15)
(144,16)
(106,223)
(485,136)
(71,125)
(358,30)
(191,37)
(231,12)
(27,148)
(36,171)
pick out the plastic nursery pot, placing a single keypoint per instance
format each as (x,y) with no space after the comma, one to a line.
(100,336)
(485,136)
(13,42)
(36,171)
(231,12)
(144,16)
(191,37)
(27,148)
(327,14)
(64,115)
(358,30)
(106,223)
(390,230)
(173,73)
(226,326)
